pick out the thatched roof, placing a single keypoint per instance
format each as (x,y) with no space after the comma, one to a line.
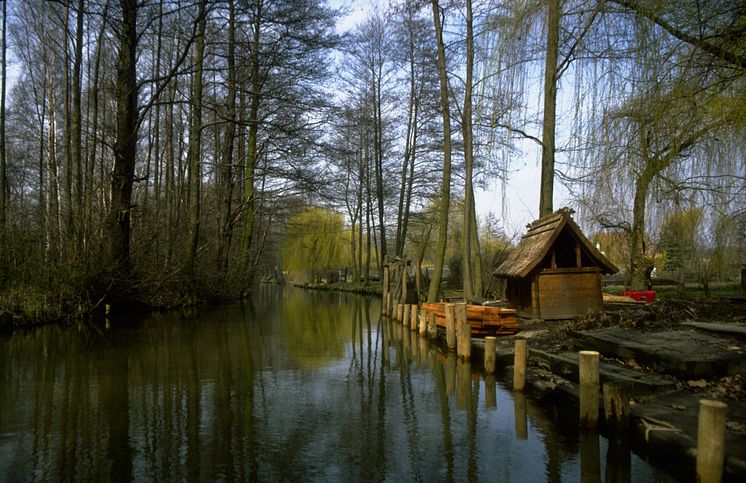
(537,242)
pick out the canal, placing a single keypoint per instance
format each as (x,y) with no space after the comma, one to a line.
(294,386)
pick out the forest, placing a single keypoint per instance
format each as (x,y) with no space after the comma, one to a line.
(169,152)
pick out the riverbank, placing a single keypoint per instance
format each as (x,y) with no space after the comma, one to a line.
(375,288)
(667,356)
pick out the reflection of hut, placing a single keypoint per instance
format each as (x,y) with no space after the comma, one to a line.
(555,271)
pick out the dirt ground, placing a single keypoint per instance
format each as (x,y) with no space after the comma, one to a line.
(556,336)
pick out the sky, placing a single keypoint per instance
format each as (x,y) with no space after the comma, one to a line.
(522,187)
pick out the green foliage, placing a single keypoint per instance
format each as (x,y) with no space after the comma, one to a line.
(315,240)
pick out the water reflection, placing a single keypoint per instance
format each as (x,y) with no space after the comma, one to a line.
(296,386)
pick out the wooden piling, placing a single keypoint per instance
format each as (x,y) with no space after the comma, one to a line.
(450,326)
(711,441)
(423,322)
(390,305)
(384,306)
(590,456)
(405,316)
(463,384)
(432,327)
(616,408)
(413,317)
(463,332)
(489,354)
(490,392)
(520,415)
(450,372)
(519,365)
(588,377)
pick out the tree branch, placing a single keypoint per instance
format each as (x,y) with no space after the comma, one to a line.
(719,52)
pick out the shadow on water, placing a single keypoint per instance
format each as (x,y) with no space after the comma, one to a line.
(298,385)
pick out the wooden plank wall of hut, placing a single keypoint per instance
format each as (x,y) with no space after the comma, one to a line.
(569,293)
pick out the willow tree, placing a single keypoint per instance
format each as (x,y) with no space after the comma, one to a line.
(315,241)
(678,117)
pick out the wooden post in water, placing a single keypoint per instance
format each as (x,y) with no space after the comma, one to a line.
(423,322)
(616,408)
(588,369)
(463,332)
(390,305)
(489,354)
(406,314)
(590,456)
(490,394)
(519,365)
(463,384)
(413,317)
(450,372)
(520,415)
(384,306)
(432,327)
(711,440)
(450,326)
(404,282)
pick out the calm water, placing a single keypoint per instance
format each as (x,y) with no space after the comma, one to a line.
(297,386)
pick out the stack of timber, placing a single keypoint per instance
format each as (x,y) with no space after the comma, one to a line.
(484,320)
(620,300)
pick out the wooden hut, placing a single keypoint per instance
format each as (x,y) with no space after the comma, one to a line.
(555,271)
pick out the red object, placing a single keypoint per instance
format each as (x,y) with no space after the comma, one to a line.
(640,295)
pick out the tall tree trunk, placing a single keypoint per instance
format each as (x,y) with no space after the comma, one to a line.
(362,176)
(195,153)
(466,127)
(410,178)
(157,175)
(117,223)
(478,286)
(407,171)
(170,176)
(225,193)
(445,189)
(550,106)
(68,166)
(368,214)
(55,203)
(76,130)
(378,158)
(637,242)
(94,134)
(252,148)
(3,157)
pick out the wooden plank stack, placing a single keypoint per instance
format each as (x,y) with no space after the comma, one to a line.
(484,320)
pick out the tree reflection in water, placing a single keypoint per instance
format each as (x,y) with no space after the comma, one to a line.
(297,385)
